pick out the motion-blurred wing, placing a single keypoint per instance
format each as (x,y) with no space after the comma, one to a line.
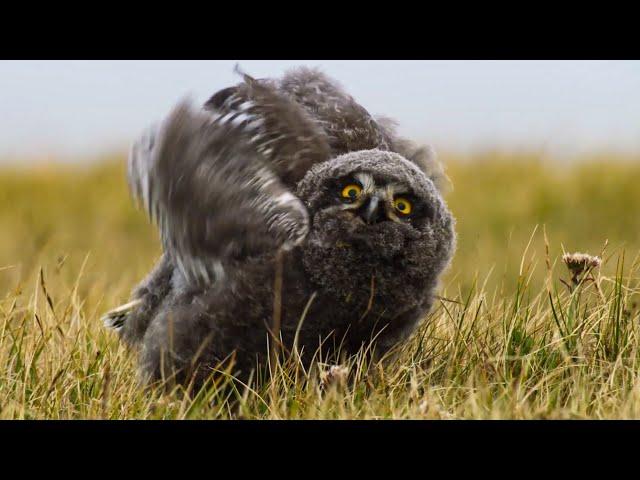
(285,134)
(214,191)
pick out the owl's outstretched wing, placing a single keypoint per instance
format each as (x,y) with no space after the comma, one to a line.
(287,136)
(347,124)
(214,185)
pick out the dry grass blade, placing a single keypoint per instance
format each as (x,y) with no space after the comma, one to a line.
(513,344)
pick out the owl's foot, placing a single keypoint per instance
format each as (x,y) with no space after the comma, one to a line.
(116,318)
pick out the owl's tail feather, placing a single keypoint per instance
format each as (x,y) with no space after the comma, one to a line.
(116,318)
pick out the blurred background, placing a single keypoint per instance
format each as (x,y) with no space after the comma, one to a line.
(530,146)
(543,157)
(79,110)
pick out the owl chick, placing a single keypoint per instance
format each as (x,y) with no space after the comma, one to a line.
(288,216)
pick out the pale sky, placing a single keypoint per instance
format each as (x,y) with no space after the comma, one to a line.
(81,109)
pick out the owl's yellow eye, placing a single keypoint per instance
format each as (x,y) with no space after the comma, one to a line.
(351,191)
(403,206)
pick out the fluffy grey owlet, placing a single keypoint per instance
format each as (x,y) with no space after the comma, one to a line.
(288,216)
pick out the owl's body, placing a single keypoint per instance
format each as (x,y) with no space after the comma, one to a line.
(287,214)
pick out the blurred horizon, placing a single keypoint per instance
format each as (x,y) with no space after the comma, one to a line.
(77,111)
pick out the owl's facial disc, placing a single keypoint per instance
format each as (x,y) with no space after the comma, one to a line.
(404,245)
(373,202)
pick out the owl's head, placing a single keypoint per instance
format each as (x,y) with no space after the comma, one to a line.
(375,214)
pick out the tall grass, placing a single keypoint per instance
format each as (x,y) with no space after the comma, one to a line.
(508,339)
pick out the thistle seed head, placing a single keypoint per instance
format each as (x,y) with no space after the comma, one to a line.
(580,262)
(335,375)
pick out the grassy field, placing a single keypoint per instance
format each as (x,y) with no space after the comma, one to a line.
(509,339)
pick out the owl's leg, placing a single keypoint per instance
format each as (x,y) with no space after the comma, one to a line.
(178,347)
(132,319)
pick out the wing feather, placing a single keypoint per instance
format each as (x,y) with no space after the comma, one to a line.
(348,125)
(282,132)
(214,192)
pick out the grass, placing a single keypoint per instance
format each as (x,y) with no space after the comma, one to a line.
(509,339)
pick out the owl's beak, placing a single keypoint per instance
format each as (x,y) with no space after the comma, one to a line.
(370,210)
